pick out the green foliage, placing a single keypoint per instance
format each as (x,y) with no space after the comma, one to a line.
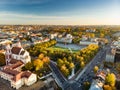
(86,85)
(29,66)
(40,48)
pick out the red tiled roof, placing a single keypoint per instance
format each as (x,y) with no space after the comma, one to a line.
(19,63)
(13,61)
(26,74)
(17,77)
(15,50)
(10,71)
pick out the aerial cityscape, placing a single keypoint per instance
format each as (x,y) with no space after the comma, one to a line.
(59,45)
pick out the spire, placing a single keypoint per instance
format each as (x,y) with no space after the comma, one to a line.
(8,47)
(8,54)
(18,44)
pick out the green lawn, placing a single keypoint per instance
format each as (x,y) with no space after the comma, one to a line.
(57,48)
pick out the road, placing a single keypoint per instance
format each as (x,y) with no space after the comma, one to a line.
(60,79)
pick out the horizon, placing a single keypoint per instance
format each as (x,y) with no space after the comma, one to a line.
(60,12)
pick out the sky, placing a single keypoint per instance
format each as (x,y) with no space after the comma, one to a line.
(60,12)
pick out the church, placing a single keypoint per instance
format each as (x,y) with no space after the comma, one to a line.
(16,57)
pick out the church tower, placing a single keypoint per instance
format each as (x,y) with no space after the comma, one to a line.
(18,44)
(8,54)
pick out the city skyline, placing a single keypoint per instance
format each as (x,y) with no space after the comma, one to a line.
(60,12)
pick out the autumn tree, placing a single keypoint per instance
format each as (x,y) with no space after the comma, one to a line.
(41,56)
(64,70)
(29,66)
(110,79)
(107,87)
(82,64)
(71,65)
(38,64)
(46,60)
(96,69)
(60,62)
(2,59)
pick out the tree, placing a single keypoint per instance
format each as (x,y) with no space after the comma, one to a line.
(46,60)
(38,64)
(65,71)
(70,59)
(102,35)
(107,87)
(96,69)
(2,59)
(63,67)
(71,65)
(29,66)
(86,85)
(110,79)
(41,56)
(60,62)
(82,64)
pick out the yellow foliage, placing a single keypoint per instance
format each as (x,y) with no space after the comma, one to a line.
(38,64)
(46,60)
(72,65)
(63,67)
(96,69)
(107,87)
(110,79)
(41,56)
(82,64)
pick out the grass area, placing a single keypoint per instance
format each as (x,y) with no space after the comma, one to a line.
(57,48)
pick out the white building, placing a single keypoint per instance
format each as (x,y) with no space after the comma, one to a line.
(16,57)
(88,42)
(4,41)
(99,81)
(67,39)
(17,52)
(53,36)
(110,55)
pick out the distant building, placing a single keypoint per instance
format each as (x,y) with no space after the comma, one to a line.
(85,37)
(110,55)
(4,41)
(117,55)
(53,36)
(67,39)
(88,42)
(90,30)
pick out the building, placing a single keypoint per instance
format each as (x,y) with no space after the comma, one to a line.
(110,55)
(17,78)
(67,39)
(117,55)
(88,42)
(17,52)
(16,57)
(98,81)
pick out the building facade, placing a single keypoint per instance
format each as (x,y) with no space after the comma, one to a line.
(16,57)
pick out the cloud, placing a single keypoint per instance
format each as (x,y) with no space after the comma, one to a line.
(23,1)
(29,16)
